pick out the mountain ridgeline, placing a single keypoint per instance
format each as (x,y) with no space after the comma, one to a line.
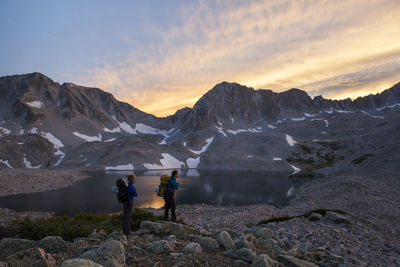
(44,124)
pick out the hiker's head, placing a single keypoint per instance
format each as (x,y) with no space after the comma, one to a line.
(175,173)
(131,178)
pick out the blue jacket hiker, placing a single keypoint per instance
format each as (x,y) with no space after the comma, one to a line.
(128,205)
(169,196)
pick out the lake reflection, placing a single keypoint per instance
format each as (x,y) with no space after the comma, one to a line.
(211,187)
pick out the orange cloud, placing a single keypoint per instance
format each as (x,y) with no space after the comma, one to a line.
(337,48)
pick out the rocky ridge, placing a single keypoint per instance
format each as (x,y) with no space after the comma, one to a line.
(79,127)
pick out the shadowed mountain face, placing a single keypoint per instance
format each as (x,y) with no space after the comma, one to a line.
(230,127)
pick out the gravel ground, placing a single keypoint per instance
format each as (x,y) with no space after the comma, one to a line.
(19,181)
(372,203)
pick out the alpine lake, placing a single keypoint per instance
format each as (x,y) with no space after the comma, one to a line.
(94,195)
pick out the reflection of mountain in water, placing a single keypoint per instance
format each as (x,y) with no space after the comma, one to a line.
(236,188)
(94,195)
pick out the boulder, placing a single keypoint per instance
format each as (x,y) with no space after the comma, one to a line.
(9,246)
(159,247)
(263,260)
(208,243)
(243,254)
(171,238)
(225,240)
(337,218)
(192,248)
(166,227)
(263,233)
(118,236)
(79,263)
(242,243)
(53,244)
(239,263)
(291,261)
(31,257)
(109,253)
(135,250)
(99,234)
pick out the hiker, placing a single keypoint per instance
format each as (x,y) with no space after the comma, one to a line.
(169,196)
(128,204)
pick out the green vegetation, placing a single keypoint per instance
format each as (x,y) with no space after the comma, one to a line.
(361,158)
(305,215)
(79,225)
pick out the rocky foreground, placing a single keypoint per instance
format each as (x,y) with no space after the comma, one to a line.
(357,224)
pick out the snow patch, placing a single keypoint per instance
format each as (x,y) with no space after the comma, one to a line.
(310,115)
(62,156)
(20,143)
(115,130)
(298,119)
(35,104)
(329,111)
(28,164)
(343,111)
(295,168)
(120,167)
(290,140)
(193,163)
(34,130)
(392,106)
(278,121)
(326,123)
(21,132)
(204,148)
(290,192)
(167,162)
(192,173)
(52,139)
(254,130)
(372,116)
(124,126)
(57,145)
(271,126)
(5,131)
(5,162)
(143,128)
(110,140)
(88,138)
(249,156)
(220,129)
(276,159)
(220,124)
(184,144)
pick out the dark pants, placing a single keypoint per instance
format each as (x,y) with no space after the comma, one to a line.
(126,223)
(170,204)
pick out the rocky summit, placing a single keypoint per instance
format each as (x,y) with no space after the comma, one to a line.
(44,124)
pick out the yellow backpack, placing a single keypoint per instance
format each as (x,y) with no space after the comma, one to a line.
(164,179)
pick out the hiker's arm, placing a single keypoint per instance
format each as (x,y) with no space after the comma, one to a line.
(134,193)
(175,184)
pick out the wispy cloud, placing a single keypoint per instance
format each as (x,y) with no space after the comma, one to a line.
(335,48)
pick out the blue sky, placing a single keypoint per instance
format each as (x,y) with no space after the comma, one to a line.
(160,56)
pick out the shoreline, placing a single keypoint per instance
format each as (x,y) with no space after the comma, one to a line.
(26,181)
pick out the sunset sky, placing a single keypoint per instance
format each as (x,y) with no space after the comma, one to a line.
(160,56)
